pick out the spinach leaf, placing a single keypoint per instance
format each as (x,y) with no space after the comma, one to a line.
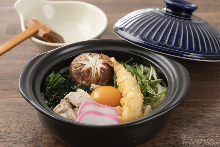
(57,86)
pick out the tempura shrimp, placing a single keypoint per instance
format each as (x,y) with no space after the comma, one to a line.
(132,101)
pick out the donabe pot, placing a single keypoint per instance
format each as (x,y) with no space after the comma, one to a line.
(133,133)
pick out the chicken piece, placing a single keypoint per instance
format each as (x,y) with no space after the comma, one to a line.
(76,98)
(76,110)
(132,100)
(64,109)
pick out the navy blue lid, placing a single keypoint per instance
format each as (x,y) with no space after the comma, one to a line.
(173,30)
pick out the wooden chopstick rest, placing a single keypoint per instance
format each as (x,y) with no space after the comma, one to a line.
(46,33)
(34,26)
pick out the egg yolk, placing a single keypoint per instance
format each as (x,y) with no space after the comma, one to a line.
(107,95)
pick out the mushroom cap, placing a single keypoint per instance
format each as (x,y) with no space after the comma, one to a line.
(90,68)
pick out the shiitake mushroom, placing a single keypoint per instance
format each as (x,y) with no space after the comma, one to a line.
(90,68)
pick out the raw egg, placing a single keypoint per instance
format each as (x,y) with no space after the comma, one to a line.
(107,95)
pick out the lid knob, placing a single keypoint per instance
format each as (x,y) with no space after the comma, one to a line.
(181,7)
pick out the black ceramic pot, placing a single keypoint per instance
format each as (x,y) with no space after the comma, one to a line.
(134,133)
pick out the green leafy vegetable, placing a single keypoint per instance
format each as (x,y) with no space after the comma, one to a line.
(149,83)
(53,80)
(153,83)
(57,86)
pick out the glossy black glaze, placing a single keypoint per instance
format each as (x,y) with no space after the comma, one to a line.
(134,133)
(172,30)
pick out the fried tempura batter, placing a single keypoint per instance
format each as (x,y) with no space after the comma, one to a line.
(132,100)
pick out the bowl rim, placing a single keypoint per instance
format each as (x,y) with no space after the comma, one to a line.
(102,29)
(180,69)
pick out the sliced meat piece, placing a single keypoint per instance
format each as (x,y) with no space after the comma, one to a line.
(76,98)
(64,109)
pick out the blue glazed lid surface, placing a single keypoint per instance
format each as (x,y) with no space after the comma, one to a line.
(173,30)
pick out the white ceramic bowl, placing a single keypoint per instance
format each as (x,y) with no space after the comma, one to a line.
(75,21)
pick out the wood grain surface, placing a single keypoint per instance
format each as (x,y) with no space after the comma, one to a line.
(196,122)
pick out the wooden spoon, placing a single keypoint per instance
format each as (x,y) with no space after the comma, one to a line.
(34,26)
